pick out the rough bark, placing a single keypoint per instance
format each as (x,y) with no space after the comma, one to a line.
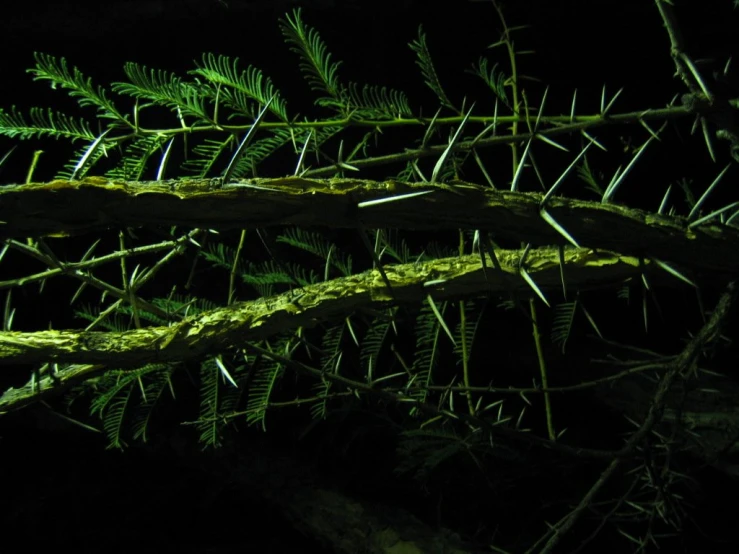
(94,204)
(231,326)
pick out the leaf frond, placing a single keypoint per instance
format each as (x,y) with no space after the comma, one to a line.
(493,78)
(315,62)
(163,88)
(209,422)
(136,156)
(424,61)
(374,102)
(158,384)
(80,163)
(240,89)
(43,123)
(260,392)
(258,151)
(316,243)
(564,318)
(55,70)
(372,346)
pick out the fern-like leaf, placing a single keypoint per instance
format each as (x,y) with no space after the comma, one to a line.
(395,247)
(136,156)
(112,322)
(585,173)
(209,423)
(80,163)
(113,395)
(428,330)
(163,88)
(372,346)
(431,78)
(260,392)
(331,350)
(315,61)
(319,408)
(272,273)
(55,70)
(493,78)
(316,244)
(464,334)
(205,155)
(158,383)
(113,421)
(240,87)
(373,102)
(258,151)
(564,317)
(180,304)
(43,123)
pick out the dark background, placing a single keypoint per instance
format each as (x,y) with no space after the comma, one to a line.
(73,493)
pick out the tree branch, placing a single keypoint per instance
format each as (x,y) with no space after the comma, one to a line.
(95,204)
(216,330)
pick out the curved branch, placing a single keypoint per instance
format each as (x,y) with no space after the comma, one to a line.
(216,330)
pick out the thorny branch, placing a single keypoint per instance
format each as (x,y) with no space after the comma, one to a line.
(679,368)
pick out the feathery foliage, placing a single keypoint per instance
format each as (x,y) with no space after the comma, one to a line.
(399,326)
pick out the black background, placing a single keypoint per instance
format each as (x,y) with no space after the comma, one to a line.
(70,491)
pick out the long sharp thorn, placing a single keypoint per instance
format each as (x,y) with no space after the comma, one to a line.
(706,194)
(452,143)
(244,143)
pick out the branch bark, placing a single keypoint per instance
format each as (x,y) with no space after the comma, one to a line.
(216,330)
(94,204)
